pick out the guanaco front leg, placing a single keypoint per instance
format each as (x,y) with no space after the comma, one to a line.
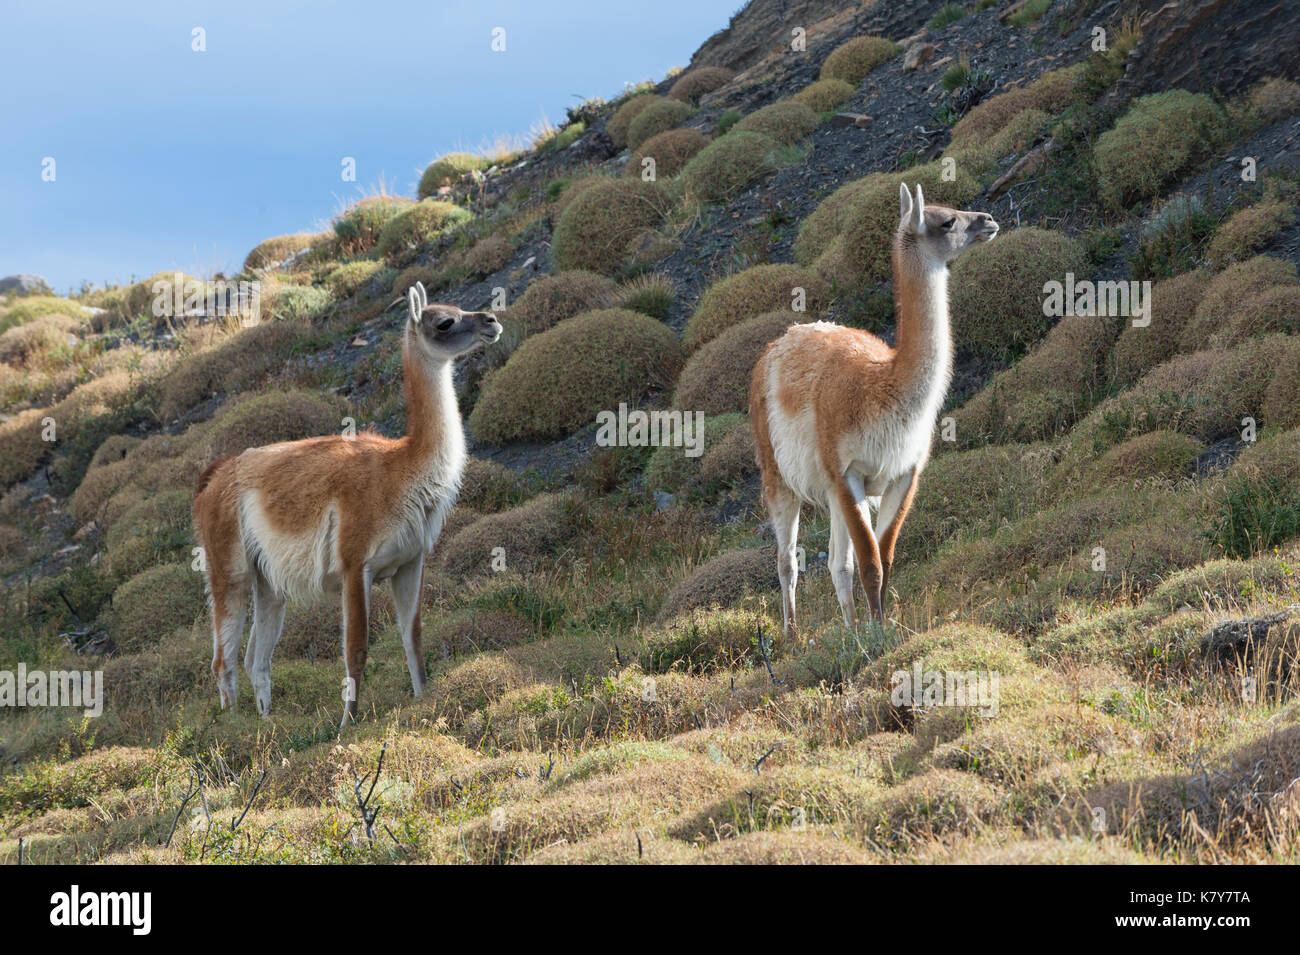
(894,504)
(853,505)
(356,637)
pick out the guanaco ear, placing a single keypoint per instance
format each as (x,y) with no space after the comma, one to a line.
(918,209)
(413,305)
(424,295)
(904,203)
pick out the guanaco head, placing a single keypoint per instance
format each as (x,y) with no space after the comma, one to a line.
(444,331)
(937,232)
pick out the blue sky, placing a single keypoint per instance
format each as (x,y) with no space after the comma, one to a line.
(167,158)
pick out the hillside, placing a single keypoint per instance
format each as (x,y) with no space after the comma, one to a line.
(1109,523)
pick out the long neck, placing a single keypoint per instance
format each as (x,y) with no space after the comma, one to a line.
(923,340)
(432,415)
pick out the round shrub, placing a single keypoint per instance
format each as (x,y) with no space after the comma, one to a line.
(407,278)
(153,604)
(234,364)
(557,381)
(114,448)
(347,279)
(1276,309)
(617,127)
(35,306)
(36,341)
(829,220)
(716,378)
(486,485)
(596,229)
(155,530)
(1282,400)
(763,288)
(1225,293)
(254,420)
(448,171)
(693,84)
(473,631)
(824,94)
(549,300)
(571,192)
(1157,454)
(488,255)
(528,534)
(670,150)
(724,581)
(359,227)
(654,118)
(275,250)
(996,288)
(853,60)
(417,224)
(729,461)
(785,121)
(1050,93)
(293,303)
(1274,99)
(1158,139)
(727,165)
(1248,231)
(671,469)
(1139,349)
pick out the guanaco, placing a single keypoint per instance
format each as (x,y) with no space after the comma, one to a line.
(333,515)
(843,422)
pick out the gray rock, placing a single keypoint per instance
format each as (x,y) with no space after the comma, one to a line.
(23,284)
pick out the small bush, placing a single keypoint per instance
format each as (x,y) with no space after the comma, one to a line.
(346,280)
(824,94)
(1225,293)
(529,534)
(655,118)
(549,300)
(716,378)
(1031,12)
(253,420)
(417,224)
(670,469)
(1248,231)
(1157,454)
(407,278)
(785,121)
(1139,349)
(36,306)
(997,288)
(1272,100)
(1276,309)
(149,607)
(596,229)
(727,165)
(853,60)
(708,640)
(557,381)
(1051,92)
(273,251)
(763,288)
(294,303)
(486,486)
(1161,137)
(619,123)
(693,84)
(153,531)
(946,15)
(359,227)
(724,582)
(449,170)
(487,256)
(651,293)
(726,121)
(671,150)
(1282,400)
(1259,501)
(36,340)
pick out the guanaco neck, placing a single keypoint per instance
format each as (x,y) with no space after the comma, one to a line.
(432,415)
(923,336)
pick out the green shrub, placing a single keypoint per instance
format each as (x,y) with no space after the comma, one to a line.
(597,228)
(153,531)
(149,607)
(997,288)
(671,469)
(785,121)
(947,15)
(727,165)
(1139,349)
(1050,93)
(824,95)
(557,381)
(708,640)
(655,118)
(1282,399)
(1258,504)
(619,123)
(359,227)
(726,121)
(297,303)
(275,250)
(1173,239)
(716,378)
(1031,12)
(253,420)
(671,150)
(651,293)
(346,280)
(1248,231)
(448,171)
(853,60)
(417,224)
(693,84)
(36,306)
(552,298)
(1225,293)
(763,288)
(1160,138)
(1272,100)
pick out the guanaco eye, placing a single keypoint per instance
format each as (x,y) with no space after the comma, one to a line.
(948,223)
(445,324)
